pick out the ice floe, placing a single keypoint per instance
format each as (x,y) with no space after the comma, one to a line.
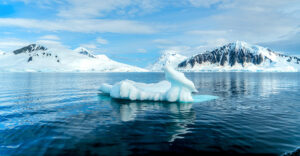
(176,88)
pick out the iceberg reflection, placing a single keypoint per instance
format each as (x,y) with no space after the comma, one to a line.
(175,117)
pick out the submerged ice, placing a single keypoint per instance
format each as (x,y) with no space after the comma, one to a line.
(176,88)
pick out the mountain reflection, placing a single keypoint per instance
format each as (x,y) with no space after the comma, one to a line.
(236,84)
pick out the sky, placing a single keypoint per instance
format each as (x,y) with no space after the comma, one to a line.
(136,32)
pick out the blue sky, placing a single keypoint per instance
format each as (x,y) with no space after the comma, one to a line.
(137,31)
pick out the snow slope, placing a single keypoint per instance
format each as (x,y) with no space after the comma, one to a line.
(177,88)
(168,58)
(241,56)
(83,51)
(38,58)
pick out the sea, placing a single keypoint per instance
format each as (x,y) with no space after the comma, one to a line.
(66,114)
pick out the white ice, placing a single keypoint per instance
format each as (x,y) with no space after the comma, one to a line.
(176,88)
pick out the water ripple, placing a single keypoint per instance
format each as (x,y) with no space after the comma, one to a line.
(63,114)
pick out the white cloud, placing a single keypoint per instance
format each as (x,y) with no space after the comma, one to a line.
(290,44)
(101,40)
(90,8)
(40,3)
(183,50)
(94,45)
(214,43)
(254,21)
(205,3)
(164,41)
(100,8)
(89,46)
(11,44)
(50,37)
(258,20)
(201,47)
(74,9)
(141,50)
(82,25)
(53,45)
(207,32)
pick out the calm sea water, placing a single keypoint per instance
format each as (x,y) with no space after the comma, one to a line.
(64,114)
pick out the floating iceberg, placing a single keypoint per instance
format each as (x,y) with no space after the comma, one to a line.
(176,88)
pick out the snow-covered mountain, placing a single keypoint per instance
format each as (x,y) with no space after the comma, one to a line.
(38,58)
(83,51)
(168,57)
(241,56)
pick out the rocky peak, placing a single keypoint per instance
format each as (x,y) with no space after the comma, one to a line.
(84,51)
(30,48)
(234,53)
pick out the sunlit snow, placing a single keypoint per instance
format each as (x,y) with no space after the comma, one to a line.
(176,88)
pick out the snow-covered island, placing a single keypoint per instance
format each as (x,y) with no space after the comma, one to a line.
(237,56)
(39,58)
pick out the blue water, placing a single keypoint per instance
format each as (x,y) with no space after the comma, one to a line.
(64,114)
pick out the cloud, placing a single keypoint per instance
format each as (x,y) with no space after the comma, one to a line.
(10,44)
(89,46)
(164,41)
(207,32)
(50,37)
(251,21)
(141,50)
(81,25)
(196,49)
(101,40)
(45,4)
(205,3)
(53,45)
(92,9)
(101,8)
(94,45)
(257,21)
(209,23)
(213,43)
(183,50)
(290,44)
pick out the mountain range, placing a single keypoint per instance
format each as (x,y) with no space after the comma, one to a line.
(236,56)
(38,58)
(241,56)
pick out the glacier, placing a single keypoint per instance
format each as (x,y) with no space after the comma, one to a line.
(176,88)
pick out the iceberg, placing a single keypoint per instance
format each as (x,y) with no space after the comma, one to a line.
(176,88)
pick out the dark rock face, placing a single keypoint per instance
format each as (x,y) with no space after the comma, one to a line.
(30,48)
(232,55)
(87,54)
(29,59)
(35,52)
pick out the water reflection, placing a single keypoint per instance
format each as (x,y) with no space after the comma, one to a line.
(62,114)
(244,84)
(179,115)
